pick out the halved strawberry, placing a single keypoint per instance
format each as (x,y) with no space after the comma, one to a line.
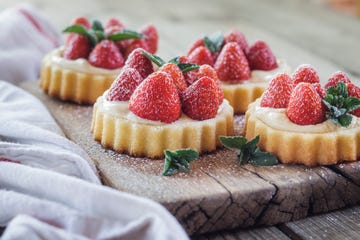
(231,65)
(82,21)
(207,71)
(200,100)
(354,91)
(305,73)
(156,98)
(260,57)
(140,62)
(114,22)
(200,56)
(151,37)
(77,46)
(198,43)
(320,90)
(176,75)
(278,92)
(191,76)
(337,77)
(238,37)
(124,85)
(305,105)
(134,44)
(106,55)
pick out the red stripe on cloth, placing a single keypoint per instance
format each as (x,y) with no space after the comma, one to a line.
(33,21)
(8,160)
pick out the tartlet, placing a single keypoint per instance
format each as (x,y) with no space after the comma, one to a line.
(145,116)
(244,71)
(305,132)
(93,55)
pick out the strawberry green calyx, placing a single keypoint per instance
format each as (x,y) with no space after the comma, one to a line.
(184,67)
(214,42)
(340,104)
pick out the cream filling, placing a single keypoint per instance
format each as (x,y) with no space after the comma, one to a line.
(276,118)
(260,76)
(121,109)
(54,58)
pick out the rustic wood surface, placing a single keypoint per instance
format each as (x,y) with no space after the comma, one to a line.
(218,193)
(301,31)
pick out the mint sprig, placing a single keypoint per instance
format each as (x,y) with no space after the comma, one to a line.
(79,29)
(214,42)
(184,67)
(97,33)
(249,152)
(178,160)
(339,104)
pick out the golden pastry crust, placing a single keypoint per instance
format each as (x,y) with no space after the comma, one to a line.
(308,148)
(240,95)
(80,86)
(142,139)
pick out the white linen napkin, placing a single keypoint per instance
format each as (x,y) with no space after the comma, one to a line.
(25,37)
(37,203)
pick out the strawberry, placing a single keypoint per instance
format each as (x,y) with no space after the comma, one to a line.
(134,44)
(156,98)
(200,56)
(106,55)
(260,57)
(319,89)
(113,22)
(124,85)
(337,77)
(151,37)
(200,100)
(176,75)
(238,37)
(305,73)
(191,76)
(140,62)
(77,46)
(278,92)
(354,91)
(305,105)
(198,43)
(231,65)
(82,21)
(207,71)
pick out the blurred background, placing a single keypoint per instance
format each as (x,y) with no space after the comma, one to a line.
(301,31)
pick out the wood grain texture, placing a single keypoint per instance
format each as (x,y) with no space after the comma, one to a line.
(268,233)
(218,193)
(337,225)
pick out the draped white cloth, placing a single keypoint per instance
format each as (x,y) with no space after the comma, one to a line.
(51,190)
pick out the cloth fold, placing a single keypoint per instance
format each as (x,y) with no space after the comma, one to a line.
(49,187)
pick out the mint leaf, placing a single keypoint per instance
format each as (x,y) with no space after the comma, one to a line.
(214,42)
(187,67)
(175,60)
(79,29)
(97,26)
(249,152)
(124,35)
(155,59)
(178,160)
(233,142)
(339,104)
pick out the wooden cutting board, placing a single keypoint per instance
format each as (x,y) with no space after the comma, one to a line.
(218,193)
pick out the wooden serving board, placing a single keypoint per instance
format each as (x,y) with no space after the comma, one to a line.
(218,193)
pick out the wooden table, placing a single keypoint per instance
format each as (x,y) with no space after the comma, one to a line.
(299,31)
